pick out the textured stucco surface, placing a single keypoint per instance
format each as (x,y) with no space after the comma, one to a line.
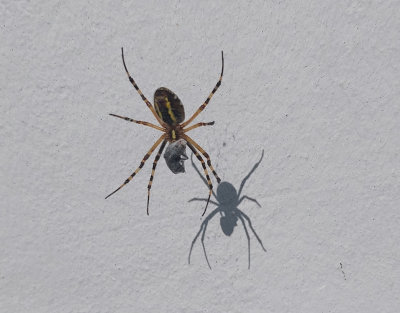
(315,84)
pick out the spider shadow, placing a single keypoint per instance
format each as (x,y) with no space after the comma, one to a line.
(227,202)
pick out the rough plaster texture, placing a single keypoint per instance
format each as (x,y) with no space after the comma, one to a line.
(315,84)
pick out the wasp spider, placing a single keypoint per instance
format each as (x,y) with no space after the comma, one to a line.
(170,114)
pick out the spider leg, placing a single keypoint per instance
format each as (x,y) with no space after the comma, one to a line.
(153,171)
(149,105)
(147,155)
(138,122)
(248,198)
(204,224)
(198,125)
(202,199)
(190,140)
(201,176)
(210,186)
(248,237)
(201,108)
(252,229)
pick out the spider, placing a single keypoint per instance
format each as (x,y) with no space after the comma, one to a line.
(228,200)
(170,114)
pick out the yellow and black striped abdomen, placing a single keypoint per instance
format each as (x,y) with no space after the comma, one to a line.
(168,106)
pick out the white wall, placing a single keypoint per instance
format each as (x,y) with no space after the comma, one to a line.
(315,84)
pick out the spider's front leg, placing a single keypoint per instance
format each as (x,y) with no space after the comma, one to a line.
(148,103)
(202,107)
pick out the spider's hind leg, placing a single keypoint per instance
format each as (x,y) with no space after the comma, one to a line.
(153,171)
(203,152)
(147,155)
(210,186)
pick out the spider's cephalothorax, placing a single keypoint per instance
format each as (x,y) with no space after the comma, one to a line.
(170,114)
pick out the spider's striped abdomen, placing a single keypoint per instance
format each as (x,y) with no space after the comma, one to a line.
(168,106)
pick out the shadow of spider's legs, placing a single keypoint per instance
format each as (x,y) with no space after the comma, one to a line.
(241,212)
(248,238)
(202,230)
(241,215)
(253,230)
(202,243)
(248,198)
(203,199)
